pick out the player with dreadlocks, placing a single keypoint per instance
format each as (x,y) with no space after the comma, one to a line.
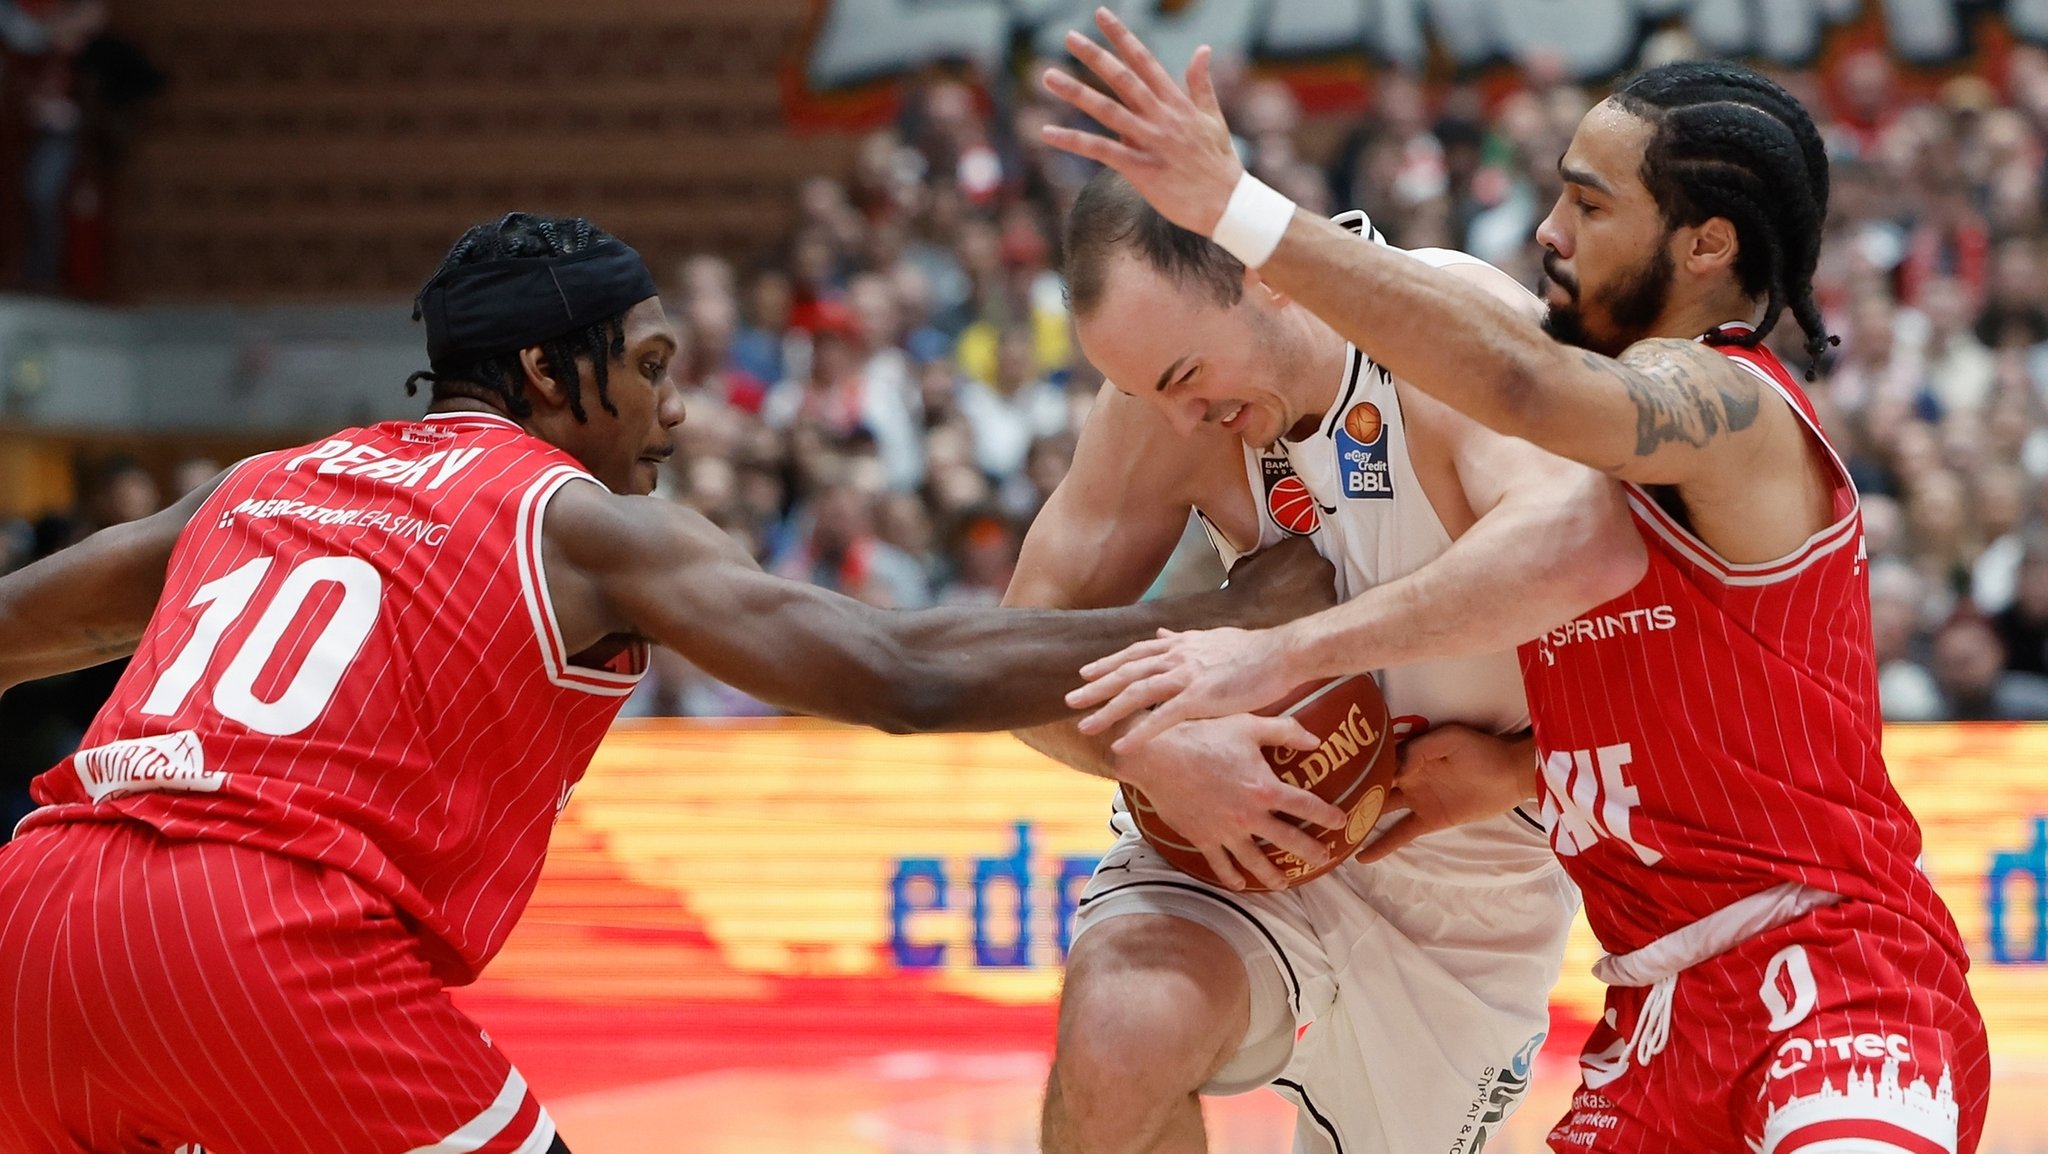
(368,671)
(1782,974)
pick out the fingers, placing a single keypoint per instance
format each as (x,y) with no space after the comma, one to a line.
(1224,869)
(1397,835)
(1253,860)
(1122,659)
(1283,834)
(1134,53)
(1102,109)
(1202,86)
(1300,803)
(1100,149)
(1284,733)
(1119,673)
(1129,88)
(1173,708)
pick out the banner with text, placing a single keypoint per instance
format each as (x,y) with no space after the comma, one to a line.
(729,863)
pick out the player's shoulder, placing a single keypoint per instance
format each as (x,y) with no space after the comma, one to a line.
(1455,262)
(596,530)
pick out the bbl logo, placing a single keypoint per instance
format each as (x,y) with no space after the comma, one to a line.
(1362,455)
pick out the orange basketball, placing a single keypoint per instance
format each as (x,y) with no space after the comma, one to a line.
(1293,506)
(1352,769)
(1363,422)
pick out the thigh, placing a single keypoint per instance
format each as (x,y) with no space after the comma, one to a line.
(1625,1107)
(1845,1024)
(42,1082)
(1254,959)
(211,995)
(1438,1018)
(1864,1029)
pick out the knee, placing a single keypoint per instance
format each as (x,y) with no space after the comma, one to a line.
(1154,1009)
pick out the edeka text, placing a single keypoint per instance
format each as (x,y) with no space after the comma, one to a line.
(2018,880)
(1002,898)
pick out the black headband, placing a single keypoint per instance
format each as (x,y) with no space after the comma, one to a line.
(478,311)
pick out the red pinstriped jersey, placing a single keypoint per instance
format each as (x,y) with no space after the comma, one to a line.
(355,663)
(1715,730)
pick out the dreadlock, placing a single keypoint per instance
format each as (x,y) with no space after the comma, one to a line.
(1731,143)
(503,378)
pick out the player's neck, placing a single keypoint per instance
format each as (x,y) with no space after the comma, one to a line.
(1329,355)
(1685,321)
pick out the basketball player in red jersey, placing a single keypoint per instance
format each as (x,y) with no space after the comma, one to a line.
(1783,976)
(368,672)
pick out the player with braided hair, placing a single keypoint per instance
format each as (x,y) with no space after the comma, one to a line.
(1782,974)
(499,379)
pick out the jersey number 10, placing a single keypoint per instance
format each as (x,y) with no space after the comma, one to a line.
(307,689)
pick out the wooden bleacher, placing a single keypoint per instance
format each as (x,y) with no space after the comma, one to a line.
(314,151)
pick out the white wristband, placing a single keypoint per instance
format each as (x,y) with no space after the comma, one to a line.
(1254,221)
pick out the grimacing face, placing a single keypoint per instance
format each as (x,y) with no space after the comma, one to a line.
(1607,255)
(626,451)
(1201,363)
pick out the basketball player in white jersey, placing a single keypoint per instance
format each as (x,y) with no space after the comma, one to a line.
(1398,1003)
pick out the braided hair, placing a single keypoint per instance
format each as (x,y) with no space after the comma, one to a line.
(502,379)
(1729,142)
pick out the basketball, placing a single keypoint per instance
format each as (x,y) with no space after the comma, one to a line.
(1293,506)
(1352,769)
(1363,423)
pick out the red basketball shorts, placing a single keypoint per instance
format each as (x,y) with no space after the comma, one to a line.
(1848,1023)
(161,995)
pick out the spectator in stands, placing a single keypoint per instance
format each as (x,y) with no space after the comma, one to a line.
(55,121)
(760,347)
(1906,690)
(838,550)
(1969,669)
(2022,626)
(190,474)
(988,556)
(1016,408)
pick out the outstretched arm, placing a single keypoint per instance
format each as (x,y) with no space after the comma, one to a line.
(89,603)
(1667,412)
(641,565)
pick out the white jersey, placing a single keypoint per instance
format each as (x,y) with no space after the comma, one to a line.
(1352,488)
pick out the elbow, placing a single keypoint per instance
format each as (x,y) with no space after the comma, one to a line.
(916,706)
(1606,557)
(1522,386)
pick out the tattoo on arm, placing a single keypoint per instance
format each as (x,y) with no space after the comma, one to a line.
(1677,397)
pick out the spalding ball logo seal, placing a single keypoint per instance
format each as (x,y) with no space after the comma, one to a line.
(1365,814)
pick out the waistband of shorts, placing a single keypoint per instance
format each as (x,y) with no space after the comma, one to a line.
(1715,934)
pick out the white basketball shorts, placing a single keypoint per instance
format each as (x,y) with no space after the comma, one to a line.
(1405,1009)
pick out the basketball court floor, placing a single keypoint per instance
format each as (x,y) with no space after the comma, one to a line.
(713,961)
(788,1095)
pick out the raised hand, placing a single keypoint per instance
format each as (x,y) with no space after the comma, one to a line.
(1210,781)
(1454,775)
(1171,143)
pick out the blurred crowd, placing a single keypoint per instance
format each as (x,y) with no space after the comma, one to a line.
(883,406)
(68,92)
